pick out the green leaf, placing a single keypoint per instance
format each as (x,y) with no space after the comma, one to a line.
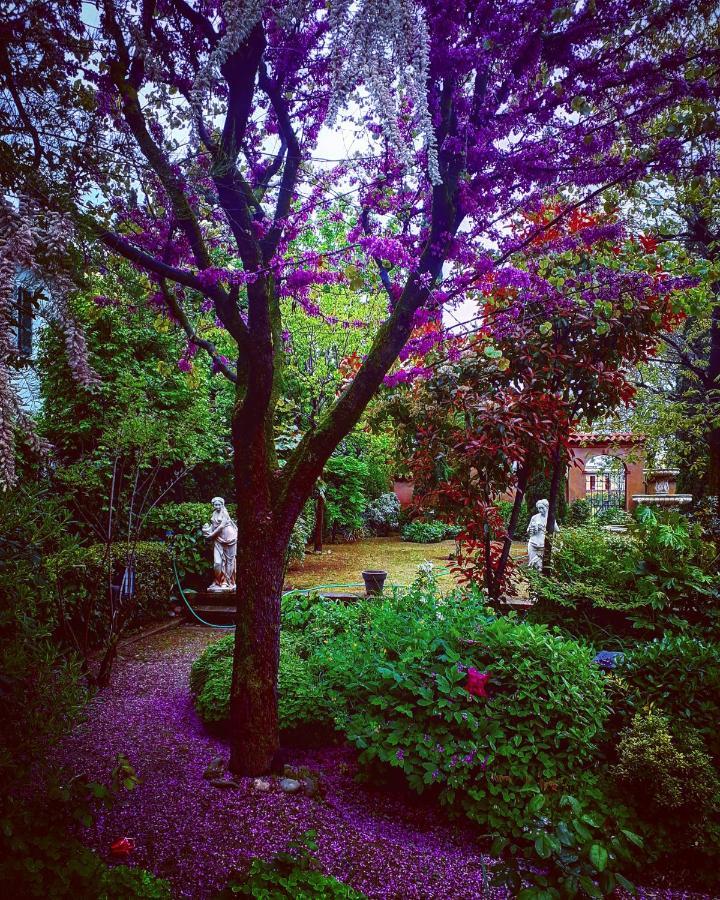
(598,856)
(543,845)
(536,804)
(589,886)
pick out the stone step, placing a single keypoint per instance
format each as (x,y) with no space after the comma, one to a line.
(341,596)
(210,598)
(215,615)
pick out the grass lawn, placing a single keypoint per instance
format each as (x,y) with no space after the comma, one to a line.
(344,563)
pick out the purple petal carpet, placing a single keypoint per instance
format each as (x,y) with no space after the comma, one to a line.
(192,833)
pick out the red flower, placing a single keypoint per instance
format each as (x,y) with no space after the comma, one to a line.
(122,846)
(477,683)
(649,243)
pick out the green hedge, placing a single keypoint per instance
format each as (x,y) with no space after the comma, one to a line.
(505,508)
(678,675)
(192,550)
(433,532)
(84,573)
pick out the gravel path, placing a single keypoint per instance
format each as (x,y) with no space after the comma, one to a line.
(194,834)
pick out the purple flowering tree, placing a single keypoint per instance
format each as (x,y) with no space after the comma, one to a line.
(189,146)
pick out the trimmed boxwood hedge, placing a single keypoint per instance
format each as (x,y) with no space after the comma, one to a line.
(85,571)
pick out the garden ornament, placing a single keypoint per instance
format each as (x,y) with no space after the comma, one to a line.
(223,532)
(536,535)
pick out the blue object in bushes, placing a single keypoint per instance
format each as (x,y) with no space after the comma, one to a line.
(608,659)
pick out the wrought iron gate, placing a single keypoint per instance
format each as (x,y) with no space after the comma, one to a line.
(605,490)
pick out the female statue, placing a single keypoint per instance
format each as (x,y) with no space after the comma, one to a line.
(536,535)
(223,532)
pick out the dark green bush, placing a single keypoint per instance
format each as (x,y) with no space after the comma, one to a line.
(678,675)
(591,583)
(667,774)
(540,723)
(419,532)
(42,695)
(85,573)
(306,701)
(346,495)
(613,515)
(301,533)
(676,575)
(185,520)
(210,679)
(579,513)
(505,508)
(126,883)
(589,554)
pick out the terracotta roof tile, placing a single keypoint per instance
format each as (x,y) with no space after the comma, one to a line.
(588,438)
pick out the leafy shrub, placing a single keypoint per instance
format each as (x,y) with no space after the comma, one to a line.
(707,514)
(345,495)
(126,883)
(678,675)
(185,520)
(82,577)
(540,722)
(591,583)
(295,875)
(305,703)
(393,676)
(613,515)
(579,513)
(418,532)
(513,762)
(670,778)
(676,575)
(666,773)
(383,514)
(589,554)
(210,680)
(302,530)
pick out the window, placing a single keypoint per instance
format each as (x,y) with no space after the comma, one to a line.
(24,321)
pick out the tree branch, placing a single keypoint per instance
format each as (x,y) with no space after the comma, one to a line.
(197,20)
(292,162)
(179,313)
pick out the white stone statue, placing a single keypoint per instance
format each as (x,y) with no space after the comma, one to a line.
(223,532)
(536,535)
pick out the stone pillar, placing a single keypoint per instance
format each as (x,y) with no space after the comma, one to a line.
(634,483)
(576,478)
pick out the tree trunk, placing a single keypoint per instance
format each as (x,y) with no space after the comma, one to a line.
(557,467)
(319,522)
(253,699)
(523,477)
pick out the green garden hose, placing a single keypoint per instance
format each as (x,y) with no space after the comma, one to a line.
(310,590)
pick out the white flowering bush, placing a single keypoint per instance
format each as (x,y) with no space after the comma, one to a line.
(383,514)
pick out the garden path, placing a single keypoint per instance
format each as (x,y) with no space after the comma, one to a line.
(385,844)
